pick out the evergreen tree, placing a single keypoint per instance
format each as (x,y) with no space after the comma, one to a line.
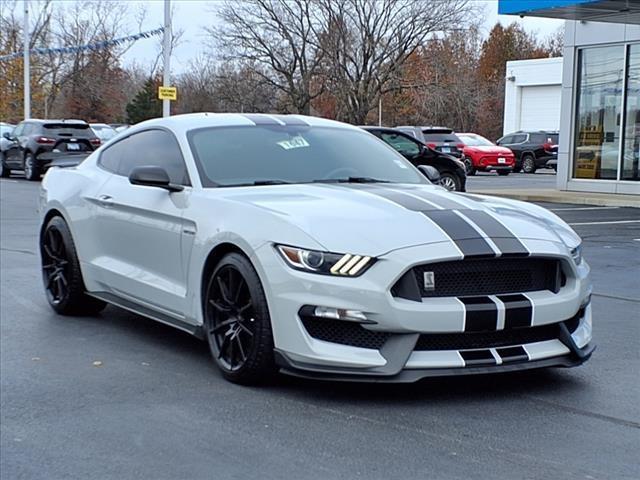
(145,104)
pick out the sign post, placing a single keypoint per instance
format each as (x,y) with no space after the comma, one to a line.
(166,50)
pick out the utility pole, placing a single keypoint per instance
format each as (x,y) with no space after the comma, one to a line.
(166,50)
(27,69)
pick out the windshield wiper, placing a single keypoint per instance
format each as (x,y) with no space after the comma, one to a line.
(270,182)
(352,180)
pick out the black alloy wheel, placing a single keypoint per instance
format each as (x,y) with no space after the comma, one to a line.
(31,170)
(61,273)
(55,266)
(4,171)
(237,322)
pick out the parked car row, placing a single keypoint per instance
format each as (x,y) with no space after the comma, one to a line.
(34,144)
(532,149)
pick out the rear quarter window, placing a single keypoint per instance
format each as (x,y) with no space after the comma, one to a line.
(442,137)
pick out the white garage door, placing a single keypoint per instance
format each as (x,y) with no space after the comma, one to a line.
(540,108)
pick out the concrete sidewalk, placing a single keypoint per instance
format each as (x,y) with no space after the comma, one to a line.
(558,196)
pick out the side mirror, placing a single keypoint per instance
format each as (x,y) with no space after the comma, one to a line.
(7,135)
(151,176)
(431,173)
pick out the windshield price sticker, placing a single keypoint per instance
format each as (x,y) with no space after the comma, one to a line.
(294,142)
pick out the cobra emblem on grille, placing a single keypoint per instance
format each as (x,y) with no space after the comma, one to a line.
(429,281)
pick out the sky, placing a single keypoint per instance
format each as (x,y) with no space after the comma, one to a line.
(191,16)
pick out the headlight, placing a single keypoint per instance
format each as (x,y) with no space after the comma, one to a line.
(338,264)
(576,254)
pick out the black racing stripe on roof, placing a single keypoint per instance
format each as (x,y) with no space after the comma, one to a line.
(290,121)
(261,119)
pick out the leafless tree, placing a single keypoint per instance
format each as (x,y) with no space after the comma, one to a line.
(279,38)
(366,42)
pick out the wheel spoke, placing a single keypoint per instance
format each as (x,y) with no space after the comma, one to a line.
(218,306)
(241,350)
(224,324)
(236,295)
(246,307)
(245,329)
(223,346)
(231,352)
(223,290)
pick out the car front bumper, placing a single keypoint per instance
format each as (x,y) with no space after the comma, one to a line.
(405,322)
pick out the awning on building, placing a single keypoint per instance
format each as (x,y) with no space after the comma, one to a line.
(617,11)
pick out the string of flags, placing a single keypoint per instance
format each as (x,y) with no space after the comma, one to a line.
(92,46)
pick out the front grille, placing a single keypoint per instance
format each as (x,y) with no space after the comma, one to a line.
(344,332)
(500,338)
(492,276)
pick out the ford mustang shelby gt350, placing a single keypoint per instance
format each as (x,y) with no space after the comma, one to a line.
(310,247)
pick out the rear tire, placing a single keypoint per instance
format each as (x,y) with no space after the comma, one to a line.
(450,181)
(237,322)
(31,170)
(528,164)
(61,273)
(4,171)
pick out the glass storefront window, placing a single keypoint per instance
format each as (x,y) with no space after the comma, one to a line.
(599,108)
(631,146)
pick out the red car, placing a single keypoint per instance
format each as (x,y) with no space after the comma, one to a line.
(481,155)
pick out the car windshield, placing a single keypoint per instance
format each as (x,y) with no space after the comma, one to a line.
(475,141)
(259,155)
(104,132)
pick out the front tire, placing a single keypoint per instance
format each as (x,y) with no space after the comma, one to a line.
(528,164)
(237,322)
(31,170)
(468,167)
(450,181)
(61,273)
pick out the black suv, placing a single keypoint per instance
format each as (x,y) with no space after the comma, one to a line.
(452,172)
(441,139)
(31,138)
(532,150)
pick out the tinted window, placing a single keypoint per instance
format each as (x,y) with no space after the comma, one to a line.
(111,156)
(518,139)
(19,129)
(401,143)
(505,140)
(441,137)
(552,138)
(68,130)
(154,147)
(538,138)
(243,155)
(408,131)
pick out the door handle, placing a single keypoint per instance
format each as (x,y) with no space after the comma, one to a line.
(105,200)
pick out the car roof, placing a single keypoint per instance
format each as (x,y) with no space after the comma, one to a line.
(103,125)
(192,121)
(70,121)
(428,128)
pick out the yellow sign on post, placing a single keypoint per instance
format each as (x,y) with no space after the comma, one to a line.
(167,93)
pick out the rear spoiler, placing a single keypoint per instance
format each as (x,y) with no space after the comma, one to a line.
(62,159)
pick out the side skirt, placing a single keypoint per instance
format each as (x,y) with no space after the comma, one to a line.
(194,330)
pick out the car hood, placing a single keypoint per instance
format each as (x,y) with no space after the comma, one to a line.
(374,219)
(489,149)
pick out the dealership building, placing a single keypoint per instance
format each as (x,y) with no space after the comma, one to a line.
(599,87)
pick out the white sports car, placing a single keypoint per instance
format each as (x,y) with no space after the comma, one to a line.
(310,247)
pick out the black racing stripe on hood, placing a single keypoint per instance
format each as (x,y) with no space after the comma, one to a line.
(444,201)
(261,119)
(405,201)
(506,241)
(466,238)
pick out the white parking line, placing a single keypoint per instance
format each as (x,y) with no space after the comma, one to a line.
(605,223)
(581,208)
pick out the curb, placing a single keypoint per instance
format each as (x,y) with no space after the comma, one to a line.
(573,197)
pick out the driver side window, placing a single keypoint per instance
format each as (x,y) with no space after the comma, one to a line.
(401,143)
(154,147)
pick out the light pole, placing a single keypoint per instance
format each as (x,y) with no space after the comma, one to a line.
(166,50)
(27,72)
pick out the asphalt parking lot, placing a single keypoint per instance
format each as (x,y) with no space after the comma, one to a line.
(121,397)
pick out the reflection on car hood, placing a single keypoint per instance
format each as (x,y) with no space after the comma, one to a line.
(373,219)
